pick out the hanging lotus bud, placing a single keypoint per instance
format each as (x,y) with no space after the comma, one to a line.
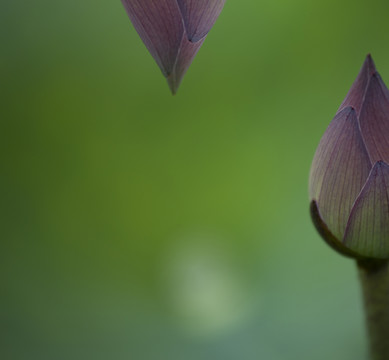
(173,31)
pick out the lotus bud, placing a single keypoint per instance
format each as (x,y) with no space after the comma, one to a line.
(349,178)
(173,31)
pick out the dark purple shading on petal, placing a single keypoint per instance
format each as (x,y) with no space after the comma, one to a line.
(186,54)
(199,16)
(357,91)
(367,231)
(374,120)
(159,24)
(326,234)
(339,170)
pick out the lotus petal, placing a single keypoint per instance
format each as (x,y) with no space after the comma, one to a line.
(326,234)
(367,231)
(374,120)
(159,24)
(357,91)
(173,31)
(339,170)
(188,51)
(199,16)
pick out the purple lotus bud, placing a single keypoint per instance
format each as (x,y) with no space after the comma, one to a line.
(349,178)
(173,31)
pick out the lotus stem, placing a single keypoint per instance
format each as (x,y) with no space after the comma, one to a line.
(374,277)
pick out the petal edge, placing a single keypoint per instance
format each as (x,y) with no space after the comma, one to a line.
(199,16)
(357,91)
(159,25)
(374,119)
(367,230)
(339,170)
(326,234)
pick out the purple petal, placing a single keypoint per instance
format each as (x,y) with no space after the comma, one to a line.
(367,231)
(199,16)
(188,51)
(357,91)
(339,170)
(326,234)
(374,120)
(159,24)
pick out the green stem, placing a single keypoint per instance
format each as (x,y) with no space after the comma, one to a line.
(374,277)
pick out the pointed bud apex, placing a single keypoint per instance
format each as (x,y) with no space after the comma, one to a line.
(349,179)
(173,31)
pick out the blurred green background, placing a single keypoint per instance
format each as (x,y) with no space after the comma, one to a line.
(138,225)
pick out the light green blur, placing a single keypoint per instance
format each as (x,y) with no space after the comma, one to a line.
(140,226)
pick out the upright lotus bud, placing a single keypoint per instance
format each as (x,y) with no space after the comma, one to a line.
(173,31)
(349,178)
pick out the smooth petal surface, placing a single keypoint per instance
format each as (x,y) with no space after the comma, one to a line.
(339,170)
(367,232)
(374,120)
(357,91)
(159,24)
(326,234)
(187,52)
(199,16)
